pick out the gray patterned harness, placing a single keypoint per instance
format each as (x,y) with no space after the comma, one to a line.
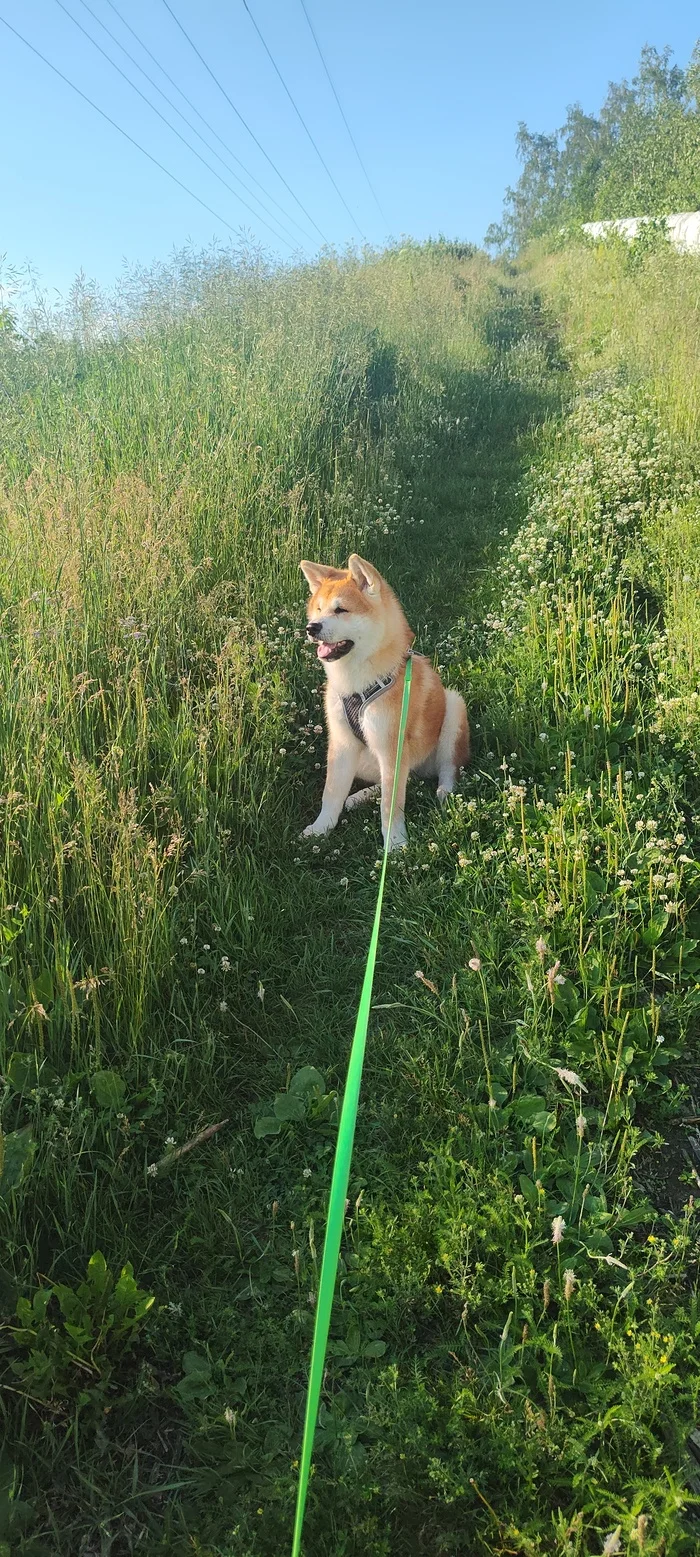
(356,702)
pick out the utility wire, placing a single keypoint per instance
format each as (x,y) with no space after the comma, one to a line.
(301,119)
(341,110)
(115,126)
(244,122)
(170,126)
(191,105)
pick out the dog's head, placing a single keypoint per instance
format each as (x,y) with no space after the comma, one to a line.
(346,609)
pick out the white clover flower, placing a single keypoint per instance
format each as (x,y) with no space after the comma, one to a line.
(223,1005)
(475,964)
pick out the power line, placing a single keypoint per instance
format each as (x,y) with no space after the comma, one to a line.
(180,114)
(165,121)
(301,119)
(340,107)
(191,105)
(244,122)
(115,126)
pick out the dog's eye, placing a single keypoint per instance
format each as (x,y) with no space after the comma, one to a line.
(338,609)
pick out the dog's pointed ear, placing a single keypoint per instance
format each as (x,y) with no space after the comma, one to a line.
(316,572)
(366,577)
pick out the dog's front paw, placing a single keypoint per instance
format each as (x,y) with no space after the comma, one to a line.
(317,829)
(398,838)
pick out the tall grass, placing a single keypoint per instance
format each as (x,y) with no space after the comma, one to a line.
(513,1362)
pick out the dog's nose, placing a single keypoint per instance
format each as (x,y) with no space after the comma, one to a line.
(313,629)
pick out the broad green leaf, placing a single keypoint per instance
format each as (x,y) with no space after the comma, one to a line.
(16,1152)
(108,1089)
(306,1080)
(267,1124)
(21,1071)
(288,1106)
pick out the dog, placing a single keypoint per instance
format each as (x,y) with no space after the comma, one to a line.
(363,642)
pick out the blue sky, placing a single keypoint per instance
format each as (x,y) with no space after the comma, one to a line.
(433,91)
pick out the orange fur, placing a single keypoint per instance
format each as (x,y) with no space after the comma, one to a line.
(362,634)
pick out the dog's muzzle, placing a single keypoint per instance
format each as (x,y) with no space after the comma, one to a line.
(327,651)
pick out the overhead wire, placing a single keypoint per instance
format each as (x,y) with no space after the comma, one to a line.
(185,142)
(302,120)
(244,122)
(341,110)
(190,104)
(118,127)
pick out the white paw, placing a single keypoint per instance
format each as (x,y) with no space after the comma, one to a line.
(398,838)
(317,829)
(443,792)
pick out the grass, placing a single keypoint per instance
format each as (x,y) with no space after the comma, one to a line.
(513,1362)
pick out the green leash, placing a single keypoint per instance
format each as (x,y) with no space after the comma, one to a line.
(341,1166)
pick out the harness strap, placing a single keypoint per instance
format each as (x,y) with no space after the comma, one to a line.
(356,702)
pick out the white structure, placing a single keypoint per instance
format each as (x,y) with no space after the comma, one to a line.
(682,230)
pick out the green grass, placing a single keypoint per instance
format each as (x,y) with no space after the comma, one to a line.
(513,1362)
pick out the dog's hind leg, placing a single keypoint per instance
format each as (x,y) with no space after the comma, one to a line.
(453,745)
(361,796)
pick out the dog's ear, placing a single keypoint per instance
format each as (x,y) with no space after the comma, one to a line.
(316,572)
(366,577)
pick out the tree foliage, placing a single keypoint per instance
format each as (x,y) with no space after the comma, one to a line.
(639,157)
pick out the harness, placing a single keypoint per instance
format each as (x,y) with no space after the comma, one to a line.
(356,702)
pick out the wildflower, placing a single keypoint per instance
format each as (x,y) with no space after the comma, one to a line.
(475,964)
(229,1417)
(343,881)
(223,1005)
(283,751)
(569,1284)
(552,977)
(183,940)
(679,838)
(640,1529)
(225,965)
(546,1293)
(152,1169)
(570,1077)
(541,947)
(543,735)
(612,1542)
(200,971)
(558,1226)
(261,992)
(170,1140)
(306,1173)
(581,1123)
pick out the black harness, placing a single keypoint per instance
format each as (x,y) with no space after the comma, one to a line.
(356,702)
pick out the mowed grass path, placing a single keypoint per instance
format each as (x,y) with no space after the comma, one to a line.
(513,1360)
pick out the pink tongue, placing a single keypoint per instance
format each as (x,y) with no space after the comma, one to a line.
(324,649)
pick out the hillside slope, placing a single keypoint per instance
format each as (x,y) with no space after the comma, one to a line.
(514,1358)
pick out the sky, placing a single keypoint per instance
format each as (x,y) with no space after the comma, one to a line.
(432,90)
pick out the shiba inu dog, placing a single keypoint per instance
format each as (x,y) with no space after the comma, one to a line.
(363,641)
